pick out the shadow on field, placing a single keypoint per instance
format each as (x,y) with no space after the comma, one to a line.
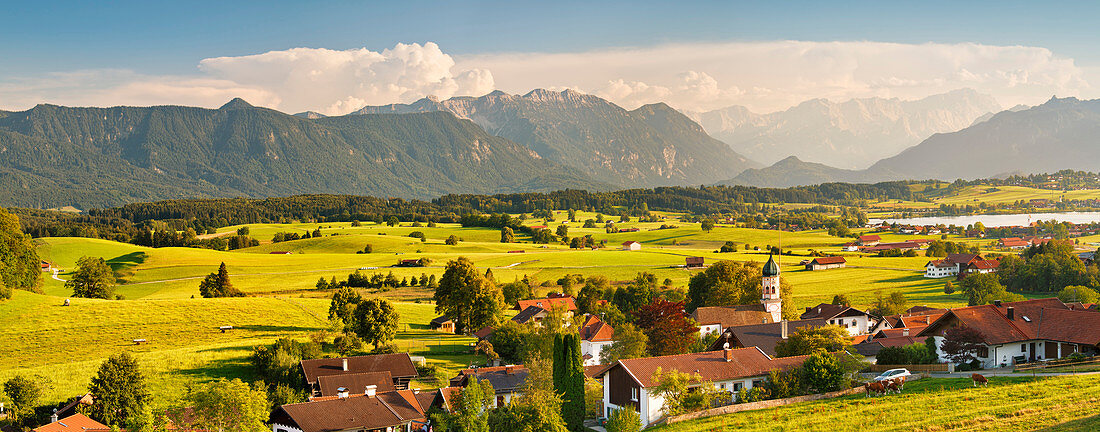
(274,328)
(1090,423)
(122,265)
(222,368)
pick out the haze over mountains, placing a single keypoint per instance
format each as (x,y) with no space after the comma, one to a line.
(852,134)
(653,145)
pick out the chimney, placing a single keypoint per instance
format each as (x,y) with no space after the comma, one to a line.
(808,308)
(53,417)
(727,354)
(342,393)
(997,303)
(509,369)
(371,390)
(345,364)
(1010,312)
(783,329)
(905,332)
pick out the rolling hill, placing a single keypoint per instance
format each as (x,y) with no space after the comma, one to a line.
(793,171)
(653,145)
(54,155)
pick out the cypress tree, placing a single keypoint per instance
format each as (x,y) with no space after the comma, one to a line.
(558,359)
(573,403)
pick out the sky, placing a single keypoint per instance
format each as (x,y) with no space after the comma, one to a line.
(334,57)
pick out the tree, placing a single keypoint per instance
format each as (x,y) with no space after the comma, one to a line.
(668,330)
(472,407)
(672,386)
(515,291)
(707,224)
(1081,294)
(842,300)
(917,353)
(375,321)
(562,231)
(467,297)
(486,348)
(392,221)
(24,394)
(729,246)
(624,420)
(119,389)
(218,285)
(728,283)
(889,305)
(19,263)
(822,372)
(638,293)
(948,288)
(568,377)
(506,235)
(961,344)
(343,303)
(93,279)
(628,342)
(228,405)
(806,340)
(539,410)
(984,288)
(347,344)
(590,295)
(451,240)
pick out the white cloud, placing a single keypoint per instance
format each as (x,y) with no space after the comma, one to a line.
(763,76)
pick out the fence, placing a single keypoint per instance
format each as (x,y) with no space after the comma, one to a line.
(729,409)
(938,367)
(1039,365)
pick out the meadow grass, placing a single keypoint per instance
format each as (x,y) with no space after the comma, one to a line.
(1068,403)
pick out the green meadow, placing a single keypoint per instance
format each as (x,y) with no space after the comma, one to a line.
(1068,403)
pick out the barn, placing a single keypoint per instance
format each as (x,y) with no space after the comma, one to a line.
(825,263)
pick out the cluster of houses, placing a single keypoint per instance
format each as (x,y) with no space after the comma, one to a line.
(871,243)
(959,266)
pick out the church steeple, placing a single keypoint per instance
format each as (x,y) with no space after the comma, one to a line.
(769,292)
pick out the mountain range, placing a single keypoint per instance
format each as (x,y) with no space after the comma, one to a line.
(53,156)
(852,134)
(654,145)
(1059,134)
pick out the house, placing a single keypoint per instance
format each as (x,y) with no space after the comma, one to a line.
(850,247)
(1013,243)
(693,262)
(443,324)
(857,322)
(902,246)
(981,267)
(74,423)
(869,240)
(370,411)
(400,367)
(629,383)
(279,253)
(825,263)
(45,266)
(548,302)
(632,246)
(595,336)
(712,319)
(507,381)
(950,266)
(763,336)
(1023,331)
(330,385)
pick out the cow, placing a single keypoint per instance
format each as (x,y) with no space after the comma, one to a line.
(895,385)
(900,382)
(876,387)
(976,379)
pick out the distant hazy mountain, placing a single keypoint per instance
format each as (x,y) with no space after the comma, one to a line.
(990,115)
(794,172)
(52,156)
(653,145)
(1059,134)
(852,134)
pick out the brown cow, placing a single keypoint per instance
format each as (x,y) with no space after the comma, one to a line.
(876,387)
(976,379)
(901,383)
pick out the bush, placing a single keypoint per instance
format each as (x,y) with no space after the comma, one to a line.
(417,234)
(386,349)
(624,420)
(755,394)
(366,249)
(452,240)
(347,344)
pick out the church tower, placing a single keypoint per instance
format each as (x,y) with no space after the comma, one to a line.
(770,290)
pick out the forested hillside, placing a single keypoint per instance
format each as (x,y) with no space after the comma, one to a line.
(87,157)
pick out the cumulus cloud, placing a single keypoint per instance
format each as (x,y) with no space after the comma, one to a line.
(763,76)
(767,76)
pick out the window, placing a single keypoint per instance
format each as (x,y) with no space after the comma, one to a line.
(757,383)
(634,394)
(1023,347)
(737,386)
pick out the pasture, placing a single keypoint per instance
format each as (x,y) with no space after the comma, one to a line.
(1067,403)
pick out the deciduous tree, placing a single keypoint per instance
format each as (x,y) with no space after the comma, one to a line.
(467,297)
(93,279)
(806,340)
(667,328)
(375,321)
(119,389)
(628,342)
(228,405)
(961,344)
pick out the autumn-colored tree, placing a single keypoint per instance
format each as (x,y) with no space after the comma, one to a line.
(961,344)
(667,327)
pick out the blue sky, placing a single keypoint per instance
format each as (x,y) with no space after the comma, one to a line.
(152,38)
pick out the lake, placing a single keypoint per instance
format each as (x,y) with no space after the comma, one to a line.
(996,220)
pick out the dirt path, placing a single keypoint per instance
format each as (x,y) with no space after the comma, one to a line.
(54,274)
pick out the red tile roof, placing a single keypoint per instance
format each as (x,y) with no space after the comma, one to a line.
(829,260)
(985,264)
(710,365)
(869,238)
(384,410)
(992,321)
(595,330)
(828,311)
(547,303)
(1075,326)
(73,423)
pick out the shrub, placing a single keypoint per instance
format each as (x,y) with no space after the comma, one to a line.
(624,420)
(366,249)
(417,234)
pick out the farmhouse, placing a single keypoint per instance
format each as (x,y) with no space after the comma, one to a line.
(630,383)
(370,411)
(869,240)
(850,247)
(825,263)
(548,302)
(712,319)
(507,381)
(1013,243)
(443,324)
(595,336)
(1023,331)
(632,246)
(981,267)
(763,336)
(950,266)
(693,262)
(399,366)
(857,322)
(902,246)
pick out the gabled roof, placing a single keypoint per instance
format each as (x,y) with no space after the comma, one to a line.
(628,243)
(710,365)
(547,303)
(828,260)
(992,321)
(595,330)
(984,264)
(441,320)
(871,237)
(390,409)
(1074,326)
(74,423)
(830,311)
(398,365)
(728,316)
(765,336)
(505,379)
(355,383)
(527,314)
(596,370)
(872,347)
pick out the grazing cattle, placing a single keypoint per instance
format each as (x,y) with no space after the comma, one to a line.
(900,381)
(978,379)
(876,387)
(894,385)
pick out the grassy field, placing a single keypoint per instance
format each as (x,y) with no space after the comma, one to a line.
(1066,403)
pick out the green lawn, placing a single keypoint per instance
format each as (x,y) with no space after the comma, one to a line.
(1008,404)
